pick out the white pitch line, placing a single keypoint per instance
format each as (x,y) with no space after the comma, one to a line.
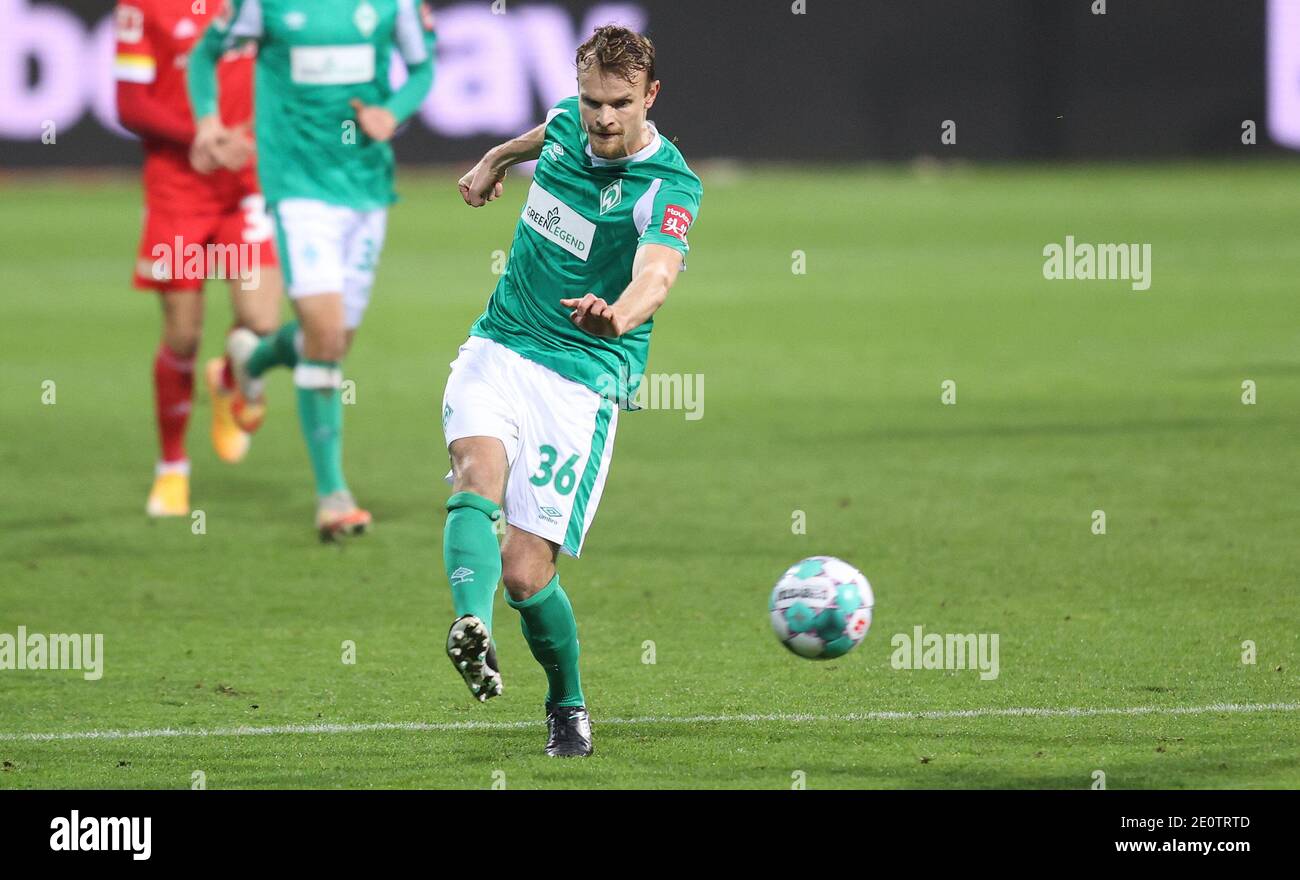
(442,726)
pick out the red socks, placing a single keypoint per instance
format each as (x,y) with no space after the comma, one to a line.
(173,385)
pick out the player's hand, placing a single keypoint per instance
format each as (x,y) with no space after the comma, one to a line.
(378,123)
(202,160)
(216,146)
(202,157)
(481,184)
(235,150)
(597,317)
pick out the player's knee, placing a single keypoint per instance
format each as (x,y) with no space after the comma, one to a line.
(526,567)
(472,481)
(332,350)
(478,465)
(522,578)
(262,325)
(325,344)
(182,340)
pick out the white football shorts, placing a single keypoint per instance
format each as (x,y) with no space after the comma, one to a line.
(558,435)
(326,248)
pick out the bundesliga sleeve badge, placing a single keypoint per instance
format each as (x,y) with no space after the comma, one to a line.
(129,22)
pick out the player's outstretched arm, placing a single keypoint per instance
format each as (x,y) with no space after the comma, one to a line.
(653,273)
(483,183)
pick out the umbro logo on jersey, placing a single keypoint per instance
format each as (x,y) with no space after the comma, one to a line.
(295,20)
(611,196)
(554,151)
(185,28)
(461,575)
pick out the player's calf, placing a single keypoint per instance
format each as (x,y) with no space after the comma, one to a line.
(549,627)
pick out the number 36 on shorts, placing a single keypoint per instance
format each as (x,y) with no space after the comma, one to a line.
(564,479)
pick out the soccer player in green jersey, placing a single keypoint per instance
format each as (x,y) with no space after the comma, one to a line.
(532,402)
(324,112)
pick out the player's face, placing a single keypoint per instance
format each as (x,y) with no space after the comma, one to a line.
(614,111)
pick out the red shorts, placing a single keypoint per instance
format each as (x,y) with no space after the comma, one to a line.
(180,251)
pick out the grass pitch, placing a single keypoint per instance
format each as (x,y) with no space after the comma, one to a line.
(822,395)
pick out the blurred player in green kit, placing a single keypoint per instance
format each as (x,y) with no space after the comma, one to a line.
(324,113)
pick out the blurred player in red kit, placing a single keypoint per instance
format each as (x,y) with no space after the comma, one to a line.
(204,218)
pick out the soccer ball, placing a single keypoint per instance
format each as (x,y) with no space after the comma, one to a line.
(821,608)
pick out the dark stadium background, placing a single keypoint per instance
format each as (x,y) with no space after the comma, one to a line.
(751,80)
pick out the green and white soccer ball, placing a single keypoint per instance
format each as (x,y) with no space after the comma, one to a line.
(821,608)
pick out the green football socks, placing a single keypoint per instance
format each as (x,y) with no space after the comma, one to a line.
(471,554)
(552,635)
(320,410)
(276,350)
(472,559)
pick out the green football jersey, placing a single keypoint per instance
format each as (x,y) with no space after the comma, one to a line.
(578,233)
(314,57)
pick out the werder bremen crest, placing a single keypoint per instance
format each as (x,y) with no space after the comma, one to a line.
(611,196)
(365,18)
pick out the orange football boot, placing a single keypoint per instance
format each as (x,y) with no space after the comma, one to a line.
(170,495)
(338,516)
(229,440)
